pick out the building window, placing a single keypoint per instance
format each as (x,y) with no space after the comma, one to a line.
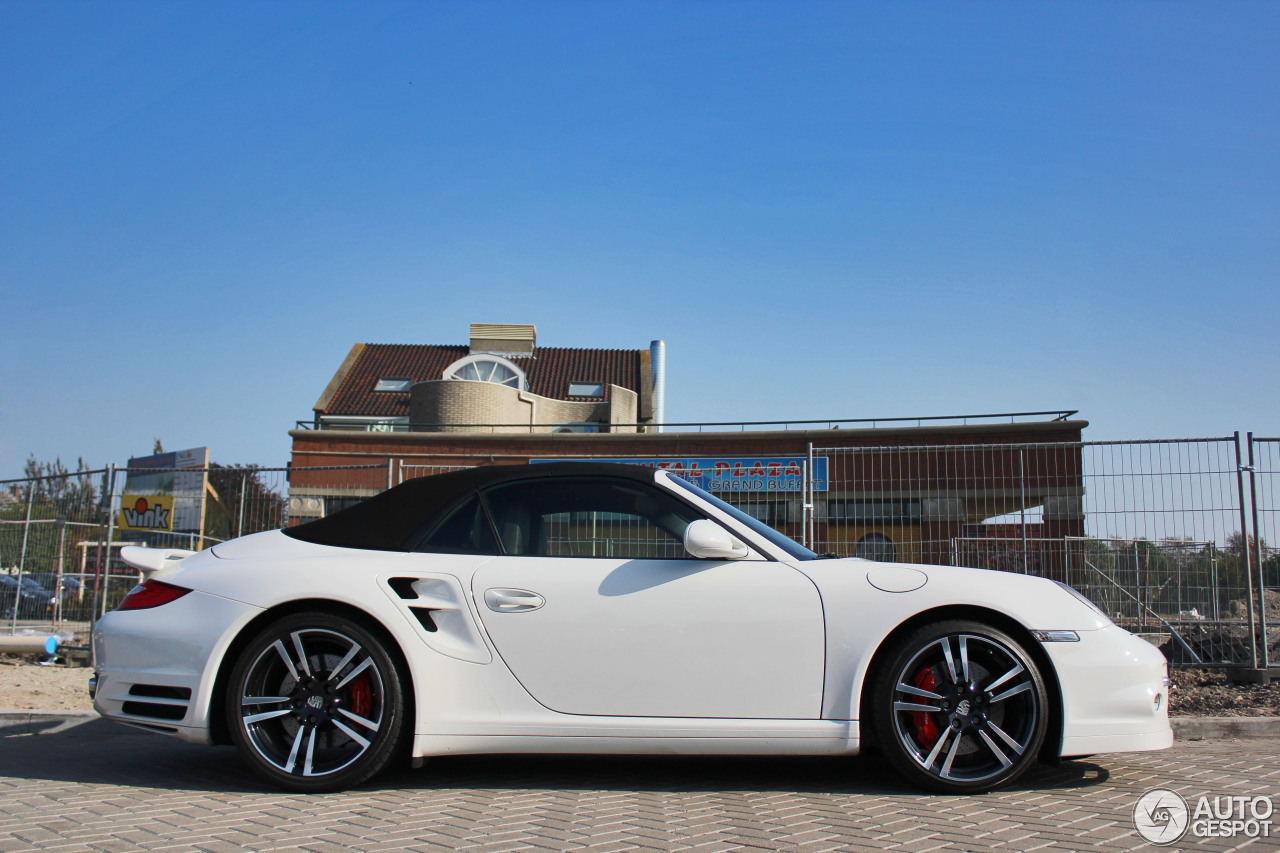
(391,384)
(773,513)
(586,389)
(875,511)
(333,504)
(487,368)
(578,427)
(876,546)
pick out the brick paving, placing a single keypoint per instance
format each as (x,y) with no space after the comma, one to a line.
(95,788)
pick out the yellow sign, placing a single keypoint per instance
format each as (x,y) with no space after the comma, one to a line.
(146,512)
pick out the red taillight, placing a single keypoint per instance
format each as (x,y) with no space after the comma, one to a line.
(151,594)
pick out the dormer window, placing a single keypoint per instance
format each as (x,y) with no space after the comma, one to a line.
(586,389)
(392,384)
(487,367)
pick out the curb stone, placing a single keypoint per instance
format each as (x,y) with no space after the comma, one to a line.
(17,722)
(1225,728)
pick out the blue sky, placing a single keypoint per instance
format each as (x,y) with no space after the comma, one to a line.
(827,210)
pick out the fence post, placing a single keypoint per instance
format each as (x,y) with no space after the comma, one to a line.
(58,591)
(244,487)
(111,535)
(1262,574)
(1022,503)
(22,559)
(101,570)
(1213,579)
(1139,587)
(1248,557)
(807,502)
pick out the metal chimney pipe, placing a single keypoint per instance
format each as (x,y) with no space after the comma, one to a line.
(658,370)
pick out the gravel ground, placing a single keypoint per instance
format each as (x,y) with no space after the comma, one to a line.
(25,685)
(1207,693)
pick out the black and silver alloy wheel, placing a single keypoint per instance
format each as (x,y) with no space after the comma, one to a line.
(315,703)
(961,707)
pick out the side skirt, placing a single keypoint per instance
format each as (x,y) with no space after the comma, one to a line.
(652,737)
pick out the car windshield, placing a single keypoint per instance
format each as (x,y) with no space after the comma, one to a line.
(792,547)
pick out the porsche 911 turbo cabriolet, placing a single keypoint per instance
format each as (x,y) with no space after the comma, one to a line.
(604,608)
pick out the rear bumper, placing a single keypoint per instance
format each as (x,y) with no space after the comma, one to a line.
(156,668)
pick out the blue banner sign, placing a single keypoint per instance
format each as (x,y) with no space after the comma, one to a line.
(733,473)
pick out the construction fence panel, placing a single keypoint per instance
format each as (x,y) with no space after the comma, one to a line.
(1154,532)
(52,533)
(406,470)
(60,536)
(1264,479)
(1151,531)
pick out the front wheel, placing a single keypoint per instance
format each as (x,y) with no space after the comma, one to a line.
(316,703)
(960,707)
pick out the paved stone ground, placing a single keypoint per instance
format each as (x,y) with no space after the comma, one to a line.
(84,790)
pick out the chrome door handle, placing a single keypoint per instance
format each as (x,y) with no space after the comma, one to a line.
(512,600)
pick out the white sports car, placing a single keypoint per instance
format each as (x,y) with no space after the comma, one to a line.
(604,608)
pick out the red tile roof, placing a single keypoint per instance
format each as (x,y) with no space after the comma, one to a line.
(549,371)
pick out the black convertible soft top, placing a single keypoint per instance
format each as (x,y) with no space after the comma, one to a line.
(389,521)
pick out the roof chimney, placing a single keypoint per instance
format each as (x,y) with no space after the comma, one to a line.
(658,369)
(504,338)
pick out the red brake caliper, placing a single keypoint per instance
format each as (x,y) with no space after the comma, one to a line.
(362,697)
(926,731)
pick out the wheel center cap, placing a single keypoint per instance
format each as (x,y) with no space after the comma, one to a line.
(962,710)
(317,702)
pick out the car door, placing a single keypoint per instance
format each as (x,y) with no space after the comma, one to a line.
(598,610)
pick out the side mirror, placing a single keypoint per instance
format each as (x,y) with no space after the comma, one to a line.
(707,540)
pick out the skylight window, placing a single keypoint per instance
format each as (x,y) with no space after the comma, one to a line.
(586,389)
(392,384)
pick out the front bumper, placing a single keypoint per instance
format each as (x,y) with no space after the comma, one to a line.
(156,668)
(1115,693)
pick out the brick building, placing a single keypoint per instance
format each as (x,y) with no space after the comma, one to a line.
(501,382)
(978,489)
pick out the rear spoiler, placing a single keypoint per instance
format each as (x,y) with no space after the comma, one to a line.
(152,560)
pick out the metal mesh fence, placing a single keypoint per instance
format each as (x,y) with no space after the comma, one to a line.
(51,548)
(409,470)
(1264,477)
(60,536)
(1152,531)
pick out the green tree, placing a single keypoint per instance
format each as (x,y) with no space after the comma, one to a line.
(55,491)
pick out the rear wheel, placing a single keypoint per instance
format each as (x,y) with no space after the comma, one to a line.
(316,703)
(960,707)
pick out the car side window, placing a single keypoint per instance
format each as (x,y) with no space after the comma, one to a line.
(589,517)
(466,530)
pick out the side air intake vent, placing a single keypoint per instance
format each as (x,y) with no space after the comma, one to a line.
(403,587)
(423,615)
(440,605)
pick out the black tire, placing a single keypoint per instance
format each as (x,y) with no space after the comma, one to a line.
(959,707)
(316,703)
